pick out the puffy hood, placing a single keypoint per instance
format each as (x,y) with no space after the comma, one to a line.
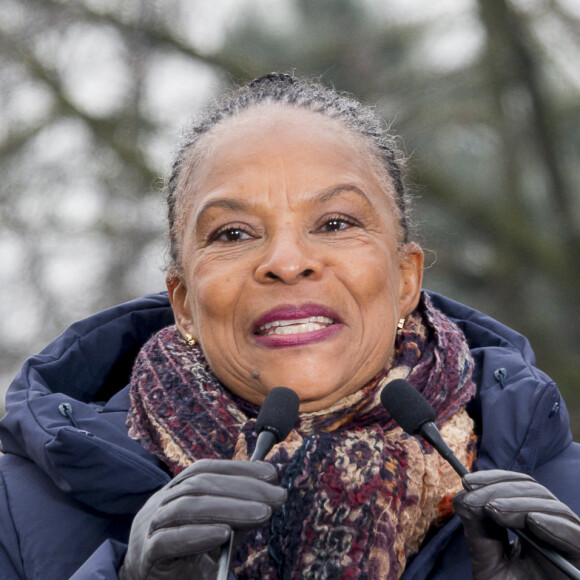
(53,419)
(54,416)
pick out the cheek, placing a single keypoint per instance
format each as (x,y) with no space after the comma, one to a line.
(374,281)
(214,293)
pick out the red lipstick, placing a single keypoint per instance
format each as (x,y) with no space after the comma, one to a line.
(290,325)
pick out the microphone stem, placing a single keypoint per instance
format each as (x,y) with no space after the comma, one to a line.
(266,440)
(224,561)
(430,432)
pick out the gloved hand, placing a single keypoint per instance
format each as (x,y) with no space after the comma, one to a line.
(178,533)
(497,500)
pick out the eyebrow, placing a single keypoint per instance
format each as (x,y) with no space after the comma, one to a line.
(321,196)
(334,190)
(224,203)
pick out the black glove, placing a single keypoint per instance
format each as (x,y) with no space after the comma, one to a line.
(178,533)
(497,500)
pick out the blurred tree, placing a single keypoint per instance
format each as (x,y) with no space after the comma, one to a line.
(484,92)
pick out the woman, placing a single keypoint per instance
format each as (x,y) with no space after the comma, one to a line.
(291,264)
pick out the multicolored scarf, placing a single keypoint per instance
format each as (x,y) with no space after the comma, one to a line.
(362,494)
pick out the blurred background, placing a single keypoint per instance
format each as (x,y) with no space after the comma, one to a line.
(485,95)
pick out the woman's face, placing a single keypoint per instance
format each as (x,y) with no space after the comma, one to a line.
(291,271)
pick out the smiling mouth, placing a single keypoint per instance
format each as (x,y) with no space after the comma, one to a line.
(295,326)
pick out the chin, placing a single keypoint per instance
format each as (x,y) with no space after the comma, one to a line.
(317,400)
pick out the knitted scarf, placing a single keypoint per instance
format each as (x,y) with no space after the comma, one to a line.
(362,494)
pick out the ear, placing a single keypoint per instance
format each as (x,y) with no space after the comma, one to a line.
(411,270)
(178,297)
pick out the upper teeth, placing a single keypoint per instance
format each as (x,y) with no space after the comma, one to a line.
(312,323)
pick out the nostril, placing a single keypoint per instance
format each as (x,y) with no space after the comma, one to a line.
(304,274)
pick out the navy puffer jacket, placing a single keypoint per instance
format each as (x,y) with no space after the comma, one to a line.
(71,480)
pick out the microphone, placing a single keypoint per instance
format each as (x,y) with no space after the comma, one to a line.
(409,408)
(275,420)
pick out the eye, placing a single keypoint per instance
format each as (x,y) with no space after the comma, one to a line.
(337,224)
(230,234)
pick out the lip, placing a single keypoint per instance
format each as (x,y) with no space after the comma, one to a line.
(293,312)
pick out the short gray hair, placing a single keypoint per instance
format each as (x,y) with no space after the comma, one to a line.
(312,96)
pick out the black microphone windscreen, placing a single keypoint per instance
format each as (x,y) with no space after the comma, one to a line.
(407,406)
(278,413)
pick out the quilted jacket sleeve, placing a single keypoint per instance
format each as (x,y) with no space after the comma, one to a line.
(561,475)
(10,561)
(104,562)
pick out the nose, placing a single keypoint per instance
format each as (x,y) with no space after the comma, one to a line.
(289,258)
